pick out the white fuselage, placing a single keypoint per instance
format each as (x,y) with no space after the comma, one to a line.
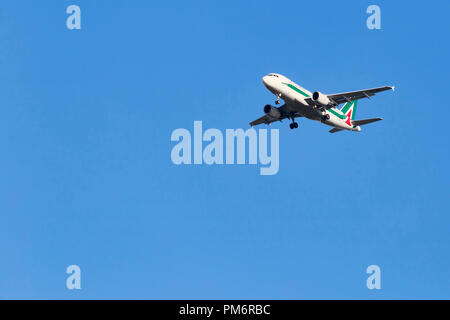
(295,97)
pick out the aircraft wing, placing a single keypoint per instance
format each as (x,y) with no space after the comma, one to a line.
(356,95)
(268,119)
(264,119)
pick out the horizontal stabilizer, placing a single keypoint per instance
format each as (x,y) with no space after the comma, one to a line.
(364,122)
(335,130)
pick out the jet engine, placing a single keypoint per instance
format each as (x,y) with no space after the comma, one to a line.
(272,112)
(321,99)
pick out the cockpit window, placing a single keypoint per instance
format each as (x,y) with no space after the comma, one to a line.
(273,75)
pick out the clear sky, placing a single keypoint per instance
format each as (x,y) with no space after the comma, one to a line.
(86,176)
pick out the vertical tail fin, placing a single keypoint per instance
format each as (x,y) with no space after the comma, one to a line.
(349,109)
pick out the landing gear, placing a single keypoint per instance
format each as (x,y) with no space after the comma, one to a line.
(293,125)
(278,99)
(326,118)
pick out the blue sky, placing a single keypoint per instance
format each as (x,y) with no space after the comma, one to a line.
(86,175)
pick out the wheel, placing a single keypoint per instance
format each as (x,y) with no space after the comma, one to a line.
(295,125)
(277,102)
(291,126)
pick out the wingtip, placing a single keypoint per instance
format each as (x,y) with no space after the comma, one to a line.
(393,88)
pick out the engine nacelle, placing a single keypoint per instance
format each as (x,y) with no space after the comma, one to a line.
(272,112)
(321,99)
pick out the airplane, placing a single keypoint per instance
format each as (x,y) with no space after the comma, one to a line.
(324,108)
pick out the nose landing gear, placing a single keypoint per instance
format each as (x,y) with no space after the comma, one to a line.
(278,99)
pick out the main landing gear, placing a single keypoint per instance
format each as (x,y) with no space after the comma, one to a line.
(293,125)
(325,117)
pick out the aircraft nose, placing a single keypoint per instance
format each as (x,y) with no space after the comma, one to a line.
(266,80)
